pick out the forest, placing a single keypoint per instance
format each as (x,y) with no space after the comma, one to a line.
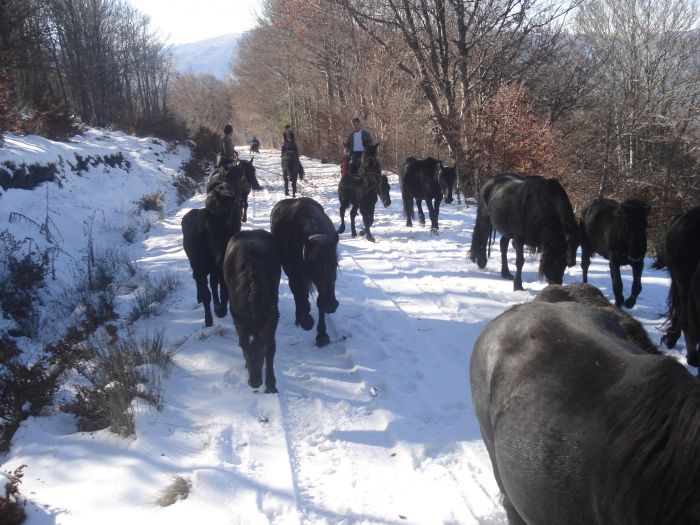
(601,94)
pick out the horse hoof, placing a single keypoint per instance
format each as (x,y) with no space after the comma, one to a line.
(670,339)
(370,237)
(506,276)
(629,303)
(271,389)
(306,322)
(434,231)
(208,322)
(322,340)
(353,235)
(220,312)
(341,230)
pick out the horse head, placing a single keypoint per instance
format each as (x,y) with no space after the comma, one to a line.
(384,190)
(446,179)
(320,258)
(632,228)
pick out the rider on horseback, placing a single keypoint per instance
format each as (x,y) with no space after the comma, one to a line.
(228,154)
(358,140)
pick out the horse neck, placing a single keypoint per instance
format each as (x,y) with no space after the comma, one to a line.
(654,466)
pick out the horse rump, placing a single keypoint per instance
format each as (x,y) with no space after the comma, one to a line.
(581,426)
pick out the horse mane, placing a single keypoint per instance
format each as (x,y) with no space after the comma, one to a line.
(653,469)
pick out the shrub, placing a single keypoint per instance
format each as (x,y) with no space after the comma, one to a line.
(186,188)
(24,390)
(12,504)
(118,373)
(167,127)
(152,202)
(26,177)
(195,169)
(52,121)
(150,297)
(178,489)
(206,144)
(21,276)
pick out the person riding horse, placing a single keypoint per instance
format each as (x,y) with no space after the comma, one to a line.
(357,142)
(228,154)
(255,145)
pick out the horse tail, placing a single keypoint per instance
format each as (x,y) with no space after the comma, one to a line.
(408,205)
(482,236)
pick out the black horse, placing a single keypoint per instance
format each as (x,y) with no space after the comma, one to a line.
(291,170)
(618,232)
(206,233)
(682,257)
(361,191)
(566,215)
(307,241)
(581,426)
(522,209)
(425,180)
(252,272)
(255,146)
(241,176)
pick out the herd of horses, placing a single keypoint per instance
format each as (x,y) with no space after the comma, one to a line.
(584,420)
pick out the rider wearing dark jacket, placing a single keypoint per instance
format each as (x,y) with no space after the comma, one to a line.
(228,151)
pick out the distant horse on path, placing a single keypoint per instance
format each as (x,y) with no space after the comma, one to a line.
(682,257)
(522,209)
(581,426)
(291,170)
(361,191)
(618,232)
(425,180)
(307,242)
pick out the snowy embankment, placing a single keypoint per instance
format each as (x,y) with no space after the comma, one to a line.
(375,428)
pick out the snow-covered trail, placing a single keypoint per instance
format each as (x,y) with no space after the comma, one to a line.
(377,427)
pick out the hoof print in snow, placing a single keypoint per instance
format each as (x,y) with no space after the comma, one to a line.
(374,391)
(262,418)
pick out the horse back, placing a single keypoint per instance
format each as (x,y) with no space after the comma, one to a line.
(292,221)
(548,384)
(419,177)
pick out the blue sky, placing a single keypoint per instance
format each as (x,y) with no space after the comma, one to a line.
(182,21)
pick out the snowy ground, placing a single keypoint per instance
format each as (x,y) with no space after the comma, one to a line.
(377,427)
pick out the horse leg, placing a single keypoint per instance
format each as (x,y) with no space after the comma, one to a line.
(353,214)
(219,293)
(421,215)
(616,281)
(367,212)
(204,297)
(322,338)
(586,251)
(637,268)
(343,207)
(505,272)
(286,183)
(407,207)
(294,186)
(433,211)
(244,209)
(270,380)
(519,261)
(301,303)
(673,332)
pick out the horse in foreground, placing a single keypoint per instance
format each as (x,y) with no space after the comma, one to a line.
(618,232)
(425,180)
(205,234)
(252,271)
(361,191)
(682,257)
(582,426)
(521,209)
(307,242)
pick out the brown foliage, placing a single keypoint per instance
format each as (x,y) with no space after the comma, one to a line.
(11,510)
(51,121)
(514,139)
